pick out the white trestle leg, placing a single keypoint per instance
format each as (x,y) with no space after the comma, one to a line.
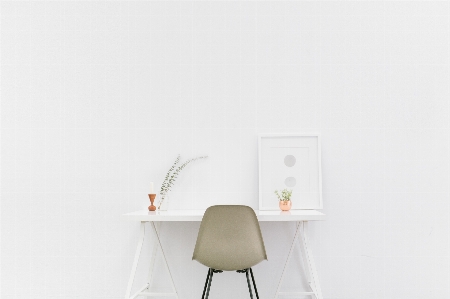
(308,262)
(158,240)
(152,260)
(310,265)
(136,260)
(145,290)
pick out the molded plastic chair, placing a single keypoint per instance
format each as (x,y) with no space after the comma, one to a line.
(229,239)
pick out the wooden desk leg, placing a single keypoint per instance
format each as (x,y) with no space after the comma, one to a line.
(165,262)
(136,259)
(309,260)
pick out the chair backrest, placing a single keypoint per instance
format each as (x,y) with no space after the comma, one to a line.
(229,238)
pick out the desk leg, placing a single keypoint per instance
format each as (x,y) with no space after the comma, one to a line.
(165,262)
(287,261)
(157,244)
(308,262)
(152,259)
(136,259)
(308,259)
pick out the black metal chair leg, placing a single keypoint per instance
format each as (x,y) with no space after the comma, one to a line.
(249,286)
(254,284)
(206,283)
(209,283)
(211,272)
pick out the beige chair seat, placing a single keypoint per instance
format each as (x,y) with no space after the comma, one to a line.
(229,239)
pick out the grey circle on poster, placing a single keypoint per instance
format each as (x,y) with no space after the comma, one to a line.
(290,182)
(289,160)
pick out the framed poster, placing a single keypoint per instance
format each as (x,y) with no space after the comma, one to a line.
(290,161)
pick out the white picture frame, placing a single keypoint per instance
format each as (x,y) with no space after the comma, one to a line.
(291,161)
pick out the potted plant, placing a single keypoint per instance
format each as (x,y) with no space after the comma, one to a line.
(170,178)
(285,199)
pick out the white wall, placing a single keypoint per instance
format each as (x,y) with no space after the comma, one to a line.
(98,98)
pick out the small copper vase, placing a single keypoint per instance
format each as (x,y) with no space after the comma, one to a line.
(285,205)
(152,199)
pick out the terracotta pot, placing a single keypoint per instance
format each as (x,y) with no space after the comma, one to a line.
(285,205)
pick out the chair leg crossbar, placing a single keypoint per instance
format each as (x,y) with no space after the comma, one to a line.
(246,271)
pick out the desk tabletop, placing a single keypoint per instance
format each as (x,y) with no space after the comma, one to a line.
(197,215)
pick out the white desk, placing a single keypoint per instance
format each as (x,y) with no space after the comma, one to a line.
(300,216)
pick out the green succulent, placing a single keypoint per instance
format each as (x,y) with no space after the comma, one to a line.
(285,194)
